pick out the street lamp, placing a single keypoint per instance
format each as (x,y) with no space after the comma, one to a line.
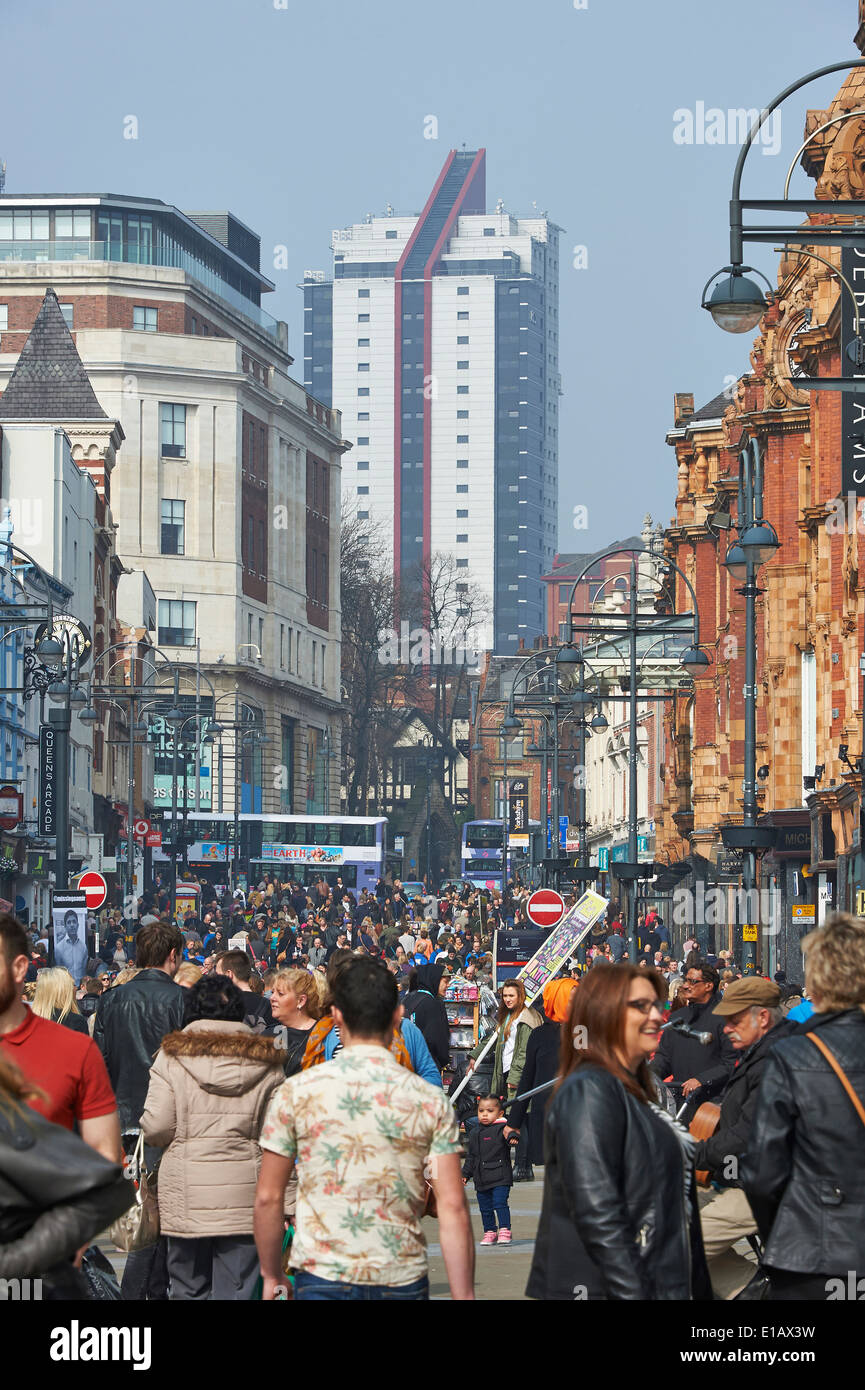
(737,304)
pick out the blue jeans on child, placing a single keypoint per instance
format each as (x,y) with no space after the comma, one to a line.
(494,1203)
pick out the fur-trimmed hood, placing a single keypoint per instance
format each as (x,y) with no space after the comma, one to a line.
(225,1059)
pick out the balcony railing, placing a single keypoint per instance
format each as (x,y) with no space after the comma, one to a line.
(79,249)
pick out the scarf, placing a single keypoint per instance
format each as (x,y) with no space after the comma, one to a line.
(314,1053)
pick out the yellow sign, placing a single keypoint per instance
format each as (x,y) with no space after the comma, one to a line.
(803,912)
(749,933)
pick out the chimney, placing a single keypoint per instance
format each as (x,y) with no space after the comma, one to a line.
(683,408)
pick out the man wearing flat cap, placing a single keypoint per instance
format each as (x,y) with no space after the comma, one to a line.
(753,1023)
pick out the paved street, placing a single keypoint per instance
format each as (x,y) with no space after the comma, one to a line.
(501,1271)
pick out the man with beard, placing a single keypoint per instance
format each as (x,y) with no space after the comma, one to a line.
(66,1066)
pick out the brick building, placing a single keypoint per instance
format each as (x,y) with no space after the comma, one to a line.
(809,615)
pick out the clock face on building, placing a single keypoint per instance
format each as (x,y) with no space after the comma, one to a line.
(76,634)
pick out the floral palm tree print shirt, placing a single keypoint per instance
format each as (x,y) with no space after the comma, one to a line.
(363,1131)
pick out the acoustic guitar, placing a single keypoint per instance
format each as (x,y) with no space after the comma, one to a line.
(703,1126)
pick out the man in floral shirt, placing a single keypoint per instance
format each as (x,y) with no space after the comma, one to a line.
(365,1133)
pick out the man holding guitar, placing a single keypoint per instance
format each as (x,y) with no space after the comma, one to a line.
(753,1023)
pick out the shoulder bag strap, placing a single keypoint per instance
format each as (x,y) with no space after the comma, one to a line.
(839,1072)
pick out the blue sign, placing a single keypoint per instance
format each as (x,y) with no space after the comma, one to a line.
(549,832)
(603,859)
(563,831)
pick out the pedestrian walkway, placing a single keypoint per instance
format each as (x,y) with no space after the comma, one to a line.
(502,1271)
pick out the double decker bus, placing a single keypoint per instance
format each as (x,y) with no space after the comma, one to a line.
(481,854)
(304,848)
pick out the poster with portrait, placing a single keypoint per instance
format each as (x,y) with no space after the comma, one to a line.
(69,924)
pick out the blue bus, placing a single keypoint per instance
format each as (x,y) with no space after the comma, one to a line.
(481,854)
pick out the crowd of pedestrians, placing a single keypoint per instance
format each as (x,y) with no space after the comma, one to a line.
(276,1068)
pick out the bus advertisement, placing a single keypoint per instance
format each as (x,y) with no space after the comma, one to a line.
(303,848)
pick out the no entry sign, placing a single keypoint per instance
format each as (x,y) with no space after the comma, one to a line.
(546,907)
(95,887)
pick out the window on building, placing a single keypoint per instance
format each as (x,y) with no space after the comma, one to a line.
(176,622)
(462,514)
(363,516)
(261,637)
(463,315)
(363,318)
(363,415)
(288,637)
(462,289)
(462,564)
(363,294)
(262,546)
(390,235)
(4,317)
(462,463)
(363,366)
(145,318)
(462,588)
(363,492)
(363,342)
(72,222)
(463,341)
(282,646)
(68,312)
(462,366)
(173,430)
(462,390)
(462,415)
(363,390)
(173,538)
(489,231)
(462,439)
(363,465)
(314,655)
(462,487)
(249,641)
(462,537)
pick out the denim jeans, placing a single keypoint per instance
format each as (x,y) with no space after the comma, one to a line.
(311,1288)
(494,1203)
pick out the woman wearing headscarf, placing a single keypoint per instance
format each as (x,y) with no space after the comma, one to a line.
(541,1065)
(425,1005)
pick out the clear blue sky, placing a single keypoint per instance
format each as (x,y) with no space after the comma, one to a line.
(303,119)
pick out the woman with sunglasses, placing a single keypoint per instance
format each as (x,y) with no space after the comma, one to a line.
(619,1218)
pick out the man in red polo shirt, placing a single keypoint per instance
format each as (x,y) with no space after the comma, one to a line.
(67,1066)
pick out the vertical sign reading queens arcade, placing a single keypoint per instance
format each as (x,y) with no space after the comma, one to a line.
(47,781)
(852,402)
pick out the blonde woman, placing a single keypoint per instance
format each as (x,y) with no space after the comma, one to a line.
(54,999)
(296,1006)
(188,974)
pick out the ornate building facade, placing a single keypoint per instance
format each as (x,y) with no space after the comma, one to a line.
(810,610)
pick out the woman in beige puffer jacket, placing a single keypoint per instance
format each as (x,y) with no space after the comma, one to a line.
(209,1089)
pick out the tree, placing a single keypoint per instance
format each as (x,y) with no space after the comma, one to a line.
(373,682)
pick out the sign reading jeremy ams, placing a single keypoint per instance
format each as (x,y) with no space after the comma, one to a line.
(47,781)
(852,402)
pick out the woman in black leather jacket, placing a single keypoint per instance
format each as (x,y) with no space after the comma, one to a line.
(56,1194)
(619,1217)
(804,1168)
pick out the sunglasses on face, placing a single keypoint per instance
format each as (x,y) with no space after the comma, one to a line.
(645,1006)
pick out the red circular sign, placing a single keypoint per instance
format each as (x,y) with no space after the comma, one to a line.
(546,907)
(94,885)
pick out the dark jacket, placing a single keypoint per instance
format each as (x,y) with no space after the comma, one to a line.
(131,1021)
(488,1158)
(738,1104)
(804,1170)
(685,1057)
(615,1220)
(56,1194)
(429,1013)
(542,1063)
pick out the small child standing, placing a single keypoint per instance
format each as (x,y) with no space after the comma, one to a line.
(488,1161)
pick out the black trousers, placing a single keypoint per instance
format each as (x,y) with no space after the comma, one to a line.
(145,1275)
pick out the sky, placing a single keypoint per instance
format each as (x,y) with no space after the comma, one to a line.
(302,117)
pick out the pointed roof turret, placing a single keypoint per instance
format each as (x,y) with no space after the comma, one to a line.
(50,381)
